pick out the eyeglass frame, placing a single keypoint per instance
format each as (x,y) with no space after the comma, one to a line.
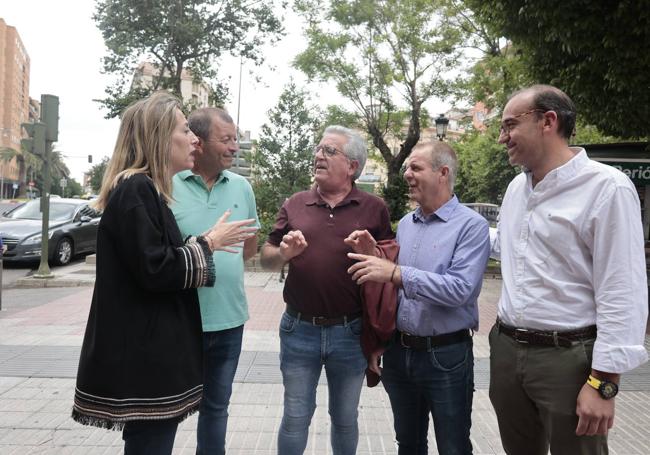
(329,151)
(504,129)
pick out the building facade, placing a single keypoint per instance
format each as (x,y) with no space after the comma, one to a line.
(196,94)
(14,101)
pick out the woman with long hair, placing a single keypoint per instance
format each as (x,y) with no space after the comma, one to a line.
(141,359)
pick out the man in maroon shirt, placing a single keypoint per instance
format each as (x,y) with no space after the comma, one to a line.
(322,322)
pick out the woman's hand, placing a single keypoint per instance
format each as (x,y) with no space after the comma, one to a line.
(224,235)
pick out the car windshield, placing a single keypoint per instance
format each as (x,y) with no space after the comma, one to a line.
(31,210)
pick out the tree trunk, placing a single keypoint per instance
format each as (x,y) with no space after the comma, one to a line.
(22,176)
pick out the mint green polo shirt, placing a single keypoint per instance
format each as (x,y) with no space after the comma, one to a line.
(196,210)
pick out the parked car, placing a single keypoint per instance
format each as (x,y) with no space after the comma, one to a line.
(489,211)
(72,230)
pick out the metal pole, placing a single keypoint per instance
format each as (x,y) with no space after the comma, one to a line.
(44,268)
(241,65)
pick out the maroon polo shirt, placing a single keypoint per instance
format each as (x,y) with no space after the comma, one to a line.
(318,282)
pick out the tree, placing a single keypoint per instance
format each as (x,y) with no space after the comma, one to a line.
(179,35)
(483,168)
(282,163)
(24,160)
(96,174)
(603,66)
(387,57)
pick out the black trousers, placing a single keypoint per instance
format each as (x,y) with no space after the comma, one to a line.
(149,437)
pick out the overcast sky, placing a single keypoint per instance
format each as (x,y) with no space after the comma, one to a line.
(65,48)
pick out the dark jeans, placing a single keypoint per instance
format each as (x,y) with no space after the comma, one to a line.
(149,437)
(221,351)
(440,382)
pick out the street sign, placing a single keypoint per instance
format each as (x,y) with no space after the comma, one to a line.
(15,186)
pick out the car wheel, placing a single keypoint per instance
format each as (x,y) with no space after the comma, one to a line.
(63,252)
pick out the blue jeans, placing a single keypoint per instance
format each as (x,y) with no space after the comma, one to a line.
(440,382)
(304,350)
(221,351)
(149,437)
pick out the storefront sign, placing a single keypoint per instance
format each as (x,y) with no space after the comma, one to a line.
(636,169)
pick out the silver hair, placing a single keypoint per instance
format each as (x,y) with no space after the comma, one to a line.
(355,148)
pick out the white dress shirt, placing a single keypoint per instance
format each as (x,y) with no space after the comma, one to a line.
(572,255)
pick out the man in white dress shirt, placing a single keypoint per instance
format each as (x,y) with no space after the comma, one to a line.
(574,302)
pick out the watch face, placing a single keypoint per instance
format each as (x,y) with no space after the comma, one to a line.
(608,390)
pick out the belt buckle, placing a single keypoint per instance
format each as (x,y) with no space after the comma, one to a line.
(401,340)
(517,333)
(318,320)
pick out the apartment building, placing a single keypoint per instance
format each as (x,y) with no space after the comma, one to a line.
(14,101)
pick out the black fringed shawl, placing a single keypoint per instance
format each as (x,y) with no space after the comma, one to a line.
(142,351)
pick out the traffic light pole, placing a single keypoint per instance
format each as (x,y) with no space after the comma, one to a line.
(50,117)
(44,267)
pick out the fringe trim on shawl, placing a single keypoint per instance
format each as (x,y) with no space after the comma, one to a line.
(118,425)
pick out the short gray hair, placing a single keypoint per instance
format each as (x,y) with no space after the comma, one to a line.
(442,155)
(200,120)
(356,148)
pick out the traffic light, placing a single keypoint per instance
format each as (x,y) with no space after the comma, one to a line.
(50,116)
(35,143)
(90,158)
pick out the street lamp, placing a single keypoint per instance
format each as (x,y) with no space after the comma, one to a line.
(441,126)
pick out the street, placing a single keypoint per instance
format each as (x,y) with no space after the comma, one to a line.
(40,337)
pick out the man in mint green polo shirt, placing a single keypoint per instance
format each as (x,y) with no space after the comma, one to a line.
(201,197)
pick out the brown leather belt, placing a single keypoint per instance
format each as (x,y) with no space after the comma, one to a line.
(322,320)
(564,339)
(426,343)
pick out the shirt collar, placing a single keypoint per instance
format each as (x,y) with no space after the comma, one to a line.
(564,172)
(314,198)
(188,174)
(443,213)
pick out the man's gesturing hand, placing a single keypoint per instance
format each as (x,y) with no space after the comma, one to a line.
(292,244)
(371,268)
(362,242)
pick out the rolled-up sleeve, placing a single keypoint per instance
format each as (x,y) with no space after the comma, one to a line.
(620,283)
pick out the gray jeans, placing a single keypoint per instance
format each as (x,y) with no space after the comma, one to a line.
(534,390)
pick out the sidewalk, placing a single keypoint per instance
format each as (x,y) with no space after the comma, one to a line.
(39,347)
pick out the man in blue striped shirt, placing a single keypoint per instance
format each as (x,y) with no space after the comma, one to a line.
(444,247)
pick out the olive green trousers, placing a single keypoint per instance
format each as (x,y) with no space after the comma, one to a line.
(534,390)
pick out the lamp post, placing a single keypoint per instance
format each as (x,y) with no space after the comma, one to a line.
(441,126)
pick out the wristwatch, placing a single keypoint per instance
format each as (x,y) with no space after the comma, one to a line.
(607,389)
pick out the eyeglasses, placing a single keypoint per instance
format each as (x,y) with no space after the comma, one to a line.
(508,125)
(327,150)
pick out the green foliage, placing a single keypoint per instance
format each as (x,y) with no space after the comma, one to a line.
(483,168)
(97,174)
(598,52)
(589,134)
(395,193)
(179,35)
(387,58)
(283,160)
